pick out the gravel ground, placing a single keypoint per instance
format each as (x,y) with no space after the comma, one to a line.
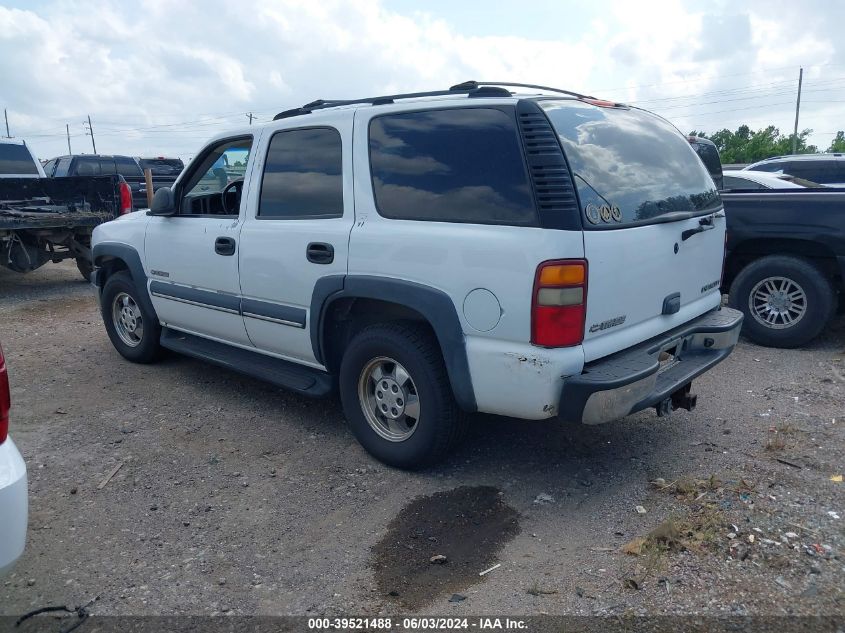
(236,497)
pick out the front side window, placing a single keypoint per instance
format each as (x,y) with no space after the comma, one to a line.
(302,175)
(770,167)
(63,166)
(630,162)
(820,171)
(222,166)
(457,165)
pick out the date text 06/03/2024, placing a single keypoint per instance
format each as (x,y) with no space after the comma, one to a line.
(416,624)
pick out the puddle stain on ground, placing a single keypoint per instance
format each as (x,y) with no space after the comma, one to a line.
(468,525)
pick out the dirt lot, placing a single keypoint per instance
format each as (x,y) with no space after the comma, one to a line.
(235,497)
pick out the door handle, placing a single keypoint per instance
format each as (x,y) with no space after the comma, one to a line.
(320,253)
(704,224)
(224,246)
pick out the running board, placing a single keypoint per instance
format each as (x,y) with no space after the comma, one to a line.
(282,373)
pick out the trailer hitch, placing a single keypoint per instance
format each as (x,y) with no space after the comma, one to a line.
(680,399)
(684,399)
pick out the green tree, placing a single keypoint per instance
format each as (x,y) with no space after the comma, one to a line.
(838,143)
(747,146)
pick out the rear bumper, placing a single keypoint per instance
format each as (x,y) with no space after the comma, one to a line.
(13,505)
(633,380)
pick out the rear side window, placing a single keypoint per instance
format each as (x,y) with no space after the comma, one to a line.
(107,166)
(16,159)
(162,166)
(303,175)
(128,167)
(630,166)
(458,165)
(89,167)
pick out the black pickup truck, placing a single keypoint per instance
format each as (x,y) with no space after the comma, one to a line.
(51,219)
(785,261)
(89,165)
(785,252)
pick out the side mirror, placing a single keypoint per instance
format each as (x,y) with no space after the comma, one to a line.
(164,203)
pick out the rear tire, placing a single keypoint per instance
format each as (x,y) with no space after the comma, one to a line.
(787,301)
(85,266)
(397,397)
(133,330)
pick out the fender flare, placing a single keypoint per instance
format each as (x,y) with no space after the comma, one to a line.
(132,259)
(435,305)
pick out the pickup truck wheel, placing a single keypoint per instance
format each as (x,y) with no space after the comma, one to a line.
(85,267)
(786,300)
(397,397)
(133,331)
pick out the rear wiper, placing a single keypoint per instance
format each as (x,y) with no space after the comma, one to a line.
(704,224)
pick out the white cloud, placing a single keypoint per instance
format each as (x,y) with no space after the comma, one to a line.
(160,77)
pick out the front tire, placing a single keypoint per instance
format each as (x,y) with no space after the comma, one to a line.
(397,397)
(133,331)
(786,301)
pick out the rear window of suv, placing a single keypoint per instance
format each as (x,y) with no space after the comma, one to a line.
(632,163)
(16,159)
(456,165)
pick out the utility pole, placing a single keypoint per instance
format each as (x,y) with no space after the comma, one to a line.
(251,116)
(67,129)
(797,108)
(6,114)
(90,132)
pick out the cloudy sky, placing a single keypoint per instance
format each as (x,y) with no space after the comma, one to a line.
(159,77)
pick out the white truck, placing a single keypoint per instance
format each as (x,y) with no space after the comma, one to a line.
(539,255)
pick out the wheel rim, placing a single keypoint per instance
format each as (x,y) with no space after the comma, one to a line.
(777,302)
(389,399)
(127,320)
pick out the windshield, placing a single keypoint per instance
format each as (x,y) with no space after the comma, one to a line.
(16,159)
(635,165)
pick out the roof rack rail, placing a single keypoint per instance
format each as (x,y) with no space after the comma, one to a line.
(469,90)
(469,85)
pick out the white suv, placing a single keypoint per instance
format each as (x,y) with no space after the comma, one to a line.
(530,255)
(14,498)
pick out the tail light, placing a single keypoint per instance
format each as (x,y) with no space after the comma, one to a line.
(559,303)
(5,399)
(125,198)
